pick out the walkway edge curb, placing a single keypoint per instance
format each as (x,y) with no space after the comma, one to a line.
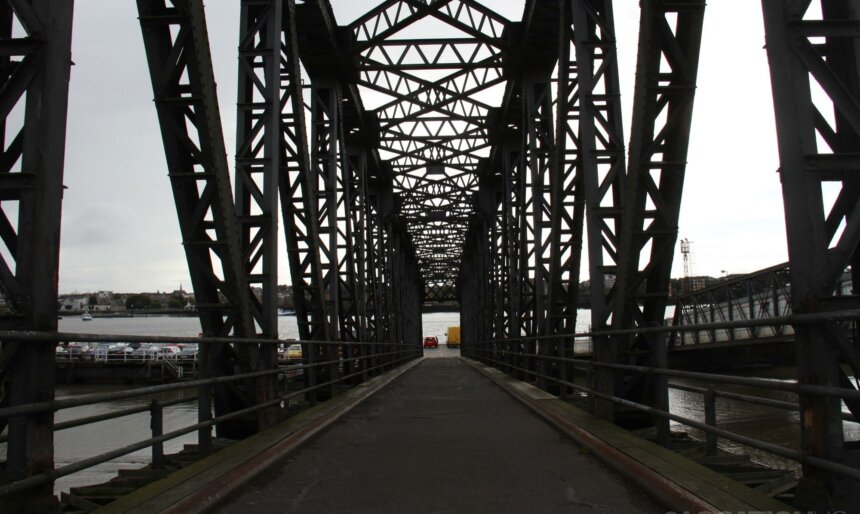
(666,492)
(217,490)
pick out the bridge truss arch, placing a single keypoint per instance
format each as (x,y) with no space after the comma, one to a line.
(435,150)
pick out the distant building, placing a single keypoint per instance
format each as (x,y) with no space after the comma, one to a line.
(73,303)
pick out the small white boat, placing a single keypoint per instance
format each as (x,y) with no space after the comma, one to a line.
(286,312)
(87,317)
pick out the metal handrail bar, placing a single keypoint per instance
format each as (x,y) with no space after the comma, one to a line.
(60,472)
(343,359)
(77,401)
(69,337)
(778,385)
(725,434)
(794,319)
(755,400)
(89,399)
(64,425)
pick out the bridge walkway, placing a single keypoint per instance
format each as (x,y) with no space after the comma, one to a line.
(444,435)
(441,438)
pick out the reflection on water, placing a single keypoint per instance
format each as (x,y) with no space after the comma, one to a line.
(768,424)
(74,444)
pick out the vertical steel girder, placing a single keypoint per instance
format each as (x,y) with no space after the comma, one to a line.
(258,170)
(298,193)
(601,154)
(567,202)
(34,71)
(535,176)
(329,167)
(818,136)
(475,286)
(258,152)
(406,289)
(340,180)
(177,48)
(184,88)
(511,248)
(670,38)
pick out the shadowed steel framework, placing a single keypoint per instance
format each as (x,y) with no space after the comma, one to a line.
(475,166)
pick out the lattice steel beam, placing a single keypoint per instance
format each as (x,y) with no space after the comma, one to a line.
(817,137)
(670,38)
(298,192)
(258,151)
(177,48)
(34,74)
(393,16)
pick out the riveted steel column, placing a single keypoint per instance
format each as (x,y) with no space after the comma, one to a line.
(36,65)
(803,46)
(603,170)
(567,215)
(258,168)
(298,193)
(183,82)
(327,163)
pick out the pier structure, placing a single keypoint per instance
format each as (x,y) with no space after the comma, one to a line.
(492,157)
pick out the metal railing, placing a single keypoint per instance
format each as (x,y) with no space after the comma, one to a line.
(763,295)
(526,358)
(352,363)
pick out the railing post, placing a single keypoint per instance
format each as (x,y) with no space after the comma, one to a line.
(310,372)
(156,421)
(562,367)
(661,388)
(710,420)
(204,398)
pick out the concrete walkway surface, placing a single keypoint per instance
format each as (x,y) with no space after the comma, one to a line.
(442,438)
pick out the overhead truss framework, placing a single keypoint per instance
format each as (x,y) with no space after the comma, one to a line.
(434,95)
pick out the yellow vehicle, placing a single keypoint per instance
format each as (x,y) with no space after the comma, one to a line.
(453,337)
(294,351)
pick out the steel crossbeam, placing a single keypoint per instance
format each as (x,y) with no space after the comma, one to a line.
(817,137)
(392,16)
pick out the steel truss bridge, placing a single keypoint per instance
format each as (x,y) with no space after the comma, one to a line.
(492,152)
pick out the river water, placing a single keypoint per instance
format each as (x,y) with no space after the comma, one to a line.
(765,423)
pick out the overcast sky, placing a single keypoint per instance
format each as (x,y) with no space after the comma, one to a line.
(120,231)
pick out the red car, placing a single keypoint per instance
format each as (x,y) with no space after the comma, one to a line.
(431,342)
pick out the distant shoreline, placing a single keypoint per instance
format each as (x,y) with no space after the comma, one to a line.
(136,314)
(191,314)
(440,308)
